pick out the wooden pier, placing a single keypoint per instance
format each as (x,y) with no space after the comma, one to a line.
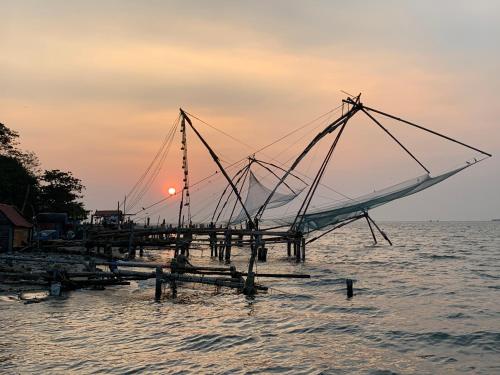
(220,241)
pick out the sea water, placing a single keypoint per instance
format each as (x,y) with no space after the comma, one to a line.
(428,304)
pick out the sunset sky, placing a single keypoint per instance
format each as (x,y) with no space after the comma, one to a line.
(94,86)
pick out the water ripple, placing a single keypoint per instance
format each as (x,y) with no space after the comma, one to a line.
(428,304)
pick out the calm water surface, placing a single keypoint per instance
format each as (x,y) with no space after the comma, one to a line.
(428,304)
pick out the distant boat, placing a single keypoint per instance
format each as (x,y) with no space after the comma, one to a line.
(495,220)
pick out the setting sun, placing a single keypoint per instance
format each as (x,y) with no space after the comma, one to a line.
(171,191)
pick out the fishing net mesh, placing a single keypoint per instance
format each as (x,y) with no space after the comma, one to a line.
(333,214)
(257,194)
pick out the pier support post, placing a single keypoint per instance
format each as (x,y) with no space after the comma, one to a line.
(249,288)
(262,252)
(159,280)
(221,250)
(141,251)
(288,248)
(229,244)
(297,246)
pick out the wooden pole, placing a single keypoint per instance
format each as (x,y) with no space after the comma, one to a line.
(349,285)
(159,279)
(249,288)
(229,239)
(380,230)
(371,229)
(173,288)
(221,250)
(131,248)
(329,129)
(217,161)
(303,245)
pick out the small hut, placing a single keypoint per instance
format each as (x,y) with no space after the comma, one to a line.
(107,217)
(15,230)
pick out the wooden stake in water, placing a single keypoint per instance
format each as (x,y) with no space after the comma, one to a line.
(350,291)
(159,279)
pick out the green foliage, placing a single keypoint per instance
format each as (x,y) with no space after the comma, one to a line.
(17,184)
(9,147)
(23,185)
(60,192)
(8,140)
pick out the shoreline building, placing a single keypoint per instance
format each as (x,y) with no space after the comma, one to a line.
(15,230)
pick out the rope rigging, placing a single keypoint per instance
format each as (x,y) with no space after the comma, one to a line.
(232,165)
(139,189)
(235,186)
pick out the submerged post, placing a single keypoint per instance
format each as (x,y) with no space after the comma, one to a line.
(173,288)
(249,288)
(159,280)
(297,254)
(131,247)
(350,291)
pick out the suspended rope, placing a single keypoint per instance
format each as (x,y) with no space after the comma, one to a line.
(156,170)
(130,195)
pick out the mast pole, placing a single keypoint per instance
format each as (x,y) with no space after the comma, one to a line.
(356,106)
(184,154)
(307,201)
(244,176)
(217,161)
(225,190)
